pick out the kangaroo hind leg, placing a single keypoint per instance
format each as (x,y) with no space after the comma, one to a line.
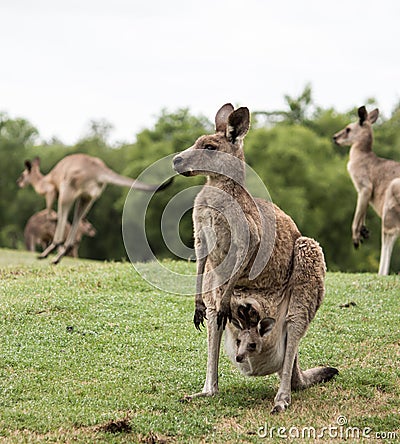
(306,292)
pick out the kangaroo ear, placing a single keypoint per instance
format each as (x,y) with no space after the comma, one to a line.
(221,118)
(373,115)
(28,165)
(362,114)
(265,326)
(36,161)
(238,124)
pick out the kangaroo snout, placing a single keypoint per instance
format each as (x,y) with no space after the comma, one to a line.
(179,166)
(239,358)
(177,161)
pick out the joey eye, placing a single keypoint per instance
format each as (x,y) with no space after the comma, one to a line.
(238,342)
(210,147)
(347,130)
(252,346)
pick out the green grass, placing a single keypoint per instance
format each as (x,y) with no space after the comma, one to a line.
(89,352)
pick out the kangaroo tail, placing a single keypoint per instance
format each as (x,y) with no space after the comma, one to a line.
(111,177)
(303,379)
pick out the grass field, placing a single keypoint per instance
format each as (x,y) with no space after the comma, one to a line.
(90,352)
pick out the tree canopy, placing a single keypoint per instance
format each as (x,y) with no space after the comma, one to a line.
(290,149)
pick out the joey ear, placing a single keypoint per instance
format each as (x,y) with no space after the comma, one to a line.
(28,165)
(221,118)
(265,326)
(36,161)
(238,124)
(362,114)
(373,115)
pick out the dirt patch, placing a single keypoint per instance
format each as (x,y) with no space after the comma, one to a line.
(116,426)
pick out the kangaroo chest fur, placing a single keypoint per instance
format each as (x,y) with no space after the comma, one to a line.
(223,221)
(254,230)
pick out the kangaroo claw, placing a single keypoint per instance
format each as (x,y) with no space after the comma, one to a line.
(199,316)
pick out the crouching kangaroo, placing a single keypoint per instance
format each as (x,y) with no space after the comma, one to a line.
(40,229)
(377,181)
(256,339)
(243,244)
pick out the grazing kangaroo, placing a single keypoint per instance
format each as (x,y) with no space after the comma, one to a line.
(80,178)
(40,229)
(377,182)
(245,245)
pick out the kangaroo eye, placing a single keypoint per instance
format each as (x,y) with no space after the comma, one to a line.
(210,147)
(238,342)
(347,130)
(252,346)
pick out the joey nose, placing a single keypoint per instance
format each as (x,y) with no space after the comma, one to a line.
(239,358)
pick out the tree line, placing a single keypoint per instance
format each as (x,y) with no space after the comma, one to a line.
(290,149)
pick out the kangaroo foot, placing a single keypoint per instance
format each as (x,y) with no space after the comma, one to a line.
(47,251)
(61,253)
(281,402)
(188,398)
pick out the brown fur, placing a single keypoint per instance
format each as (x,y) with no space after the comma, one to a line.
(76,178)
(377,182)
(242,244)
(40,229)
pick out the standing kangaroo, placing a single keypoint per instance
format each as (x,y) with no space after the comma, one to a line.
(40,229)
(77,177)
(245,245)
(377,182)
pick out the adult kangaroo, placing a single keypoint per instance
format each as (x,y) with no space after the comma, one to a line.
(377,182)
(245,245)
(75,178)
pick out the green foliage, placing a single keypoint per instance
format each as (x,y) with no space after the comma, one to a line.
(92,353)
(291,151)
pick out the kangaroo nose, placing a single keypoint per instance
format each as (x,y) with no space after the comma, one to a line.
(177,160)
(239,358)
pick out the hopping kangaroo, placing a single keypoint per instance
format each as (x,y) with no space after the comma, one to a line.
(377,182)
(77,177)
(40,229)
(247,246)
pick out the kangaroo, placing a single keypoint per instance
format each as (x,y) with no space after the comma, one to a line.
(241,243)
(40,229)
(75,178)
(377,182)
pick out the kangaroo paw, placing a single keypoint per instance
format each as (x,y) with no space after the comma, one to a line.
(223,316)
(199,316)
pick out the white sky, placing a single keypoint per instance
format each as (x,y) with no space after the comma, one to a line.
(65,62)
